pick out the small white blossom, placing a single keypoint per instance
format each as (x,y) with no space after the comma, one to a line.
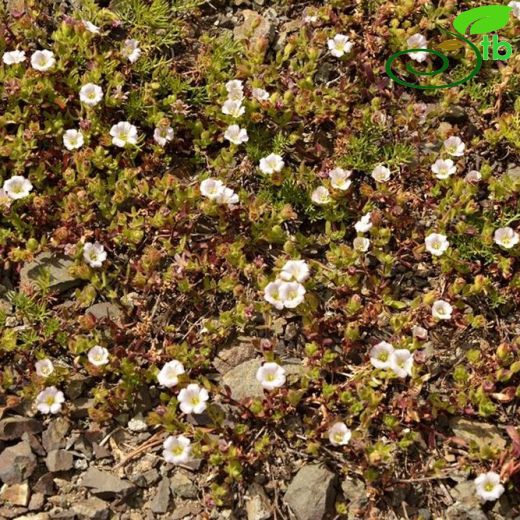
(90,27)
(123,133)
(295,270)
(363,224)
(17,187)
(339,45)
(177,449)
(13,57)
(273,295)
(233,108)
(260,94)
(381,173)
(381,355)
(401,362)
(44,367)
(227,196)
(516,9)
(235,90)
(454,146)
(169,373)
(488,486)
(339,178)
(271,376)
(42,60)
(436,244)
(50,400)
(361,244)
(236,135)
(94,254)
(442,310)
(339,434)
(211,188)
(506,237)
(272,163)
(473,176)
(292,294)
(192,399)
(73,139)
(98,356)
(90,94)
(321,196)
(417,41)
(131,50)
(443,168)
(163,134)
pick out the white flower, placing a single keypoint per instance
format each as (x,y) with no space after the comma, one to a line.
(473,176)
(163,134)
(227,196)
(90,94)
(339,178)
(339,434)
(233,108)
(295,270)
(381,355)
(44,367)
(236,135)
(401,362)
(272,163)
(443,168)
(454,146)
(123,133)
(441,310)
(42,60)
(260,94)
(193,399)
(292,294)
(339,45)
(17,187)
(50,400)
(417,41)
(321,196)
(98,355)
(488,486)
(381,173)
(235,90)
(73,139)
(169,373)
(273,295)
(363,224)
(177,449)
(211,188)
(90,27)
(94,254)
(361,244)
(131,50)
(506,237)
(271,376)
(13,57)
(516,8)
(436,244)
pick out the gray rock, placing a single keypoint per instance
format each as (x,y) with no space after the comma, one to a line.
(106,485)
(258,505)
(15,494)
(104,310)
(14,427)
(254,27)
(182,486)
(59,460)
(513,172)
(464,492)
(58,268)
(161,500)
(17,463)
(242,379)
(76,386)
(478,432)
(354,491)
(231,357)
(45,484)
(37,502)
(459,511)
(91,509)
(53,437)
(312,492)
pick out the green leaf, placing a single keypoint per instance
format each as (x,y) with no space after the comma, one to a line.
(481,20)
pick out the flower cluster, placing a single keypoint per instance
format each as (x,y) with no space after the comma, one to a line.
(287,291)
(385,356)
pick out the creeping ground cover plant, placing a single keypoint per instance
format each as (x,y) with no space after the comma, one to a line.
(245,273)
